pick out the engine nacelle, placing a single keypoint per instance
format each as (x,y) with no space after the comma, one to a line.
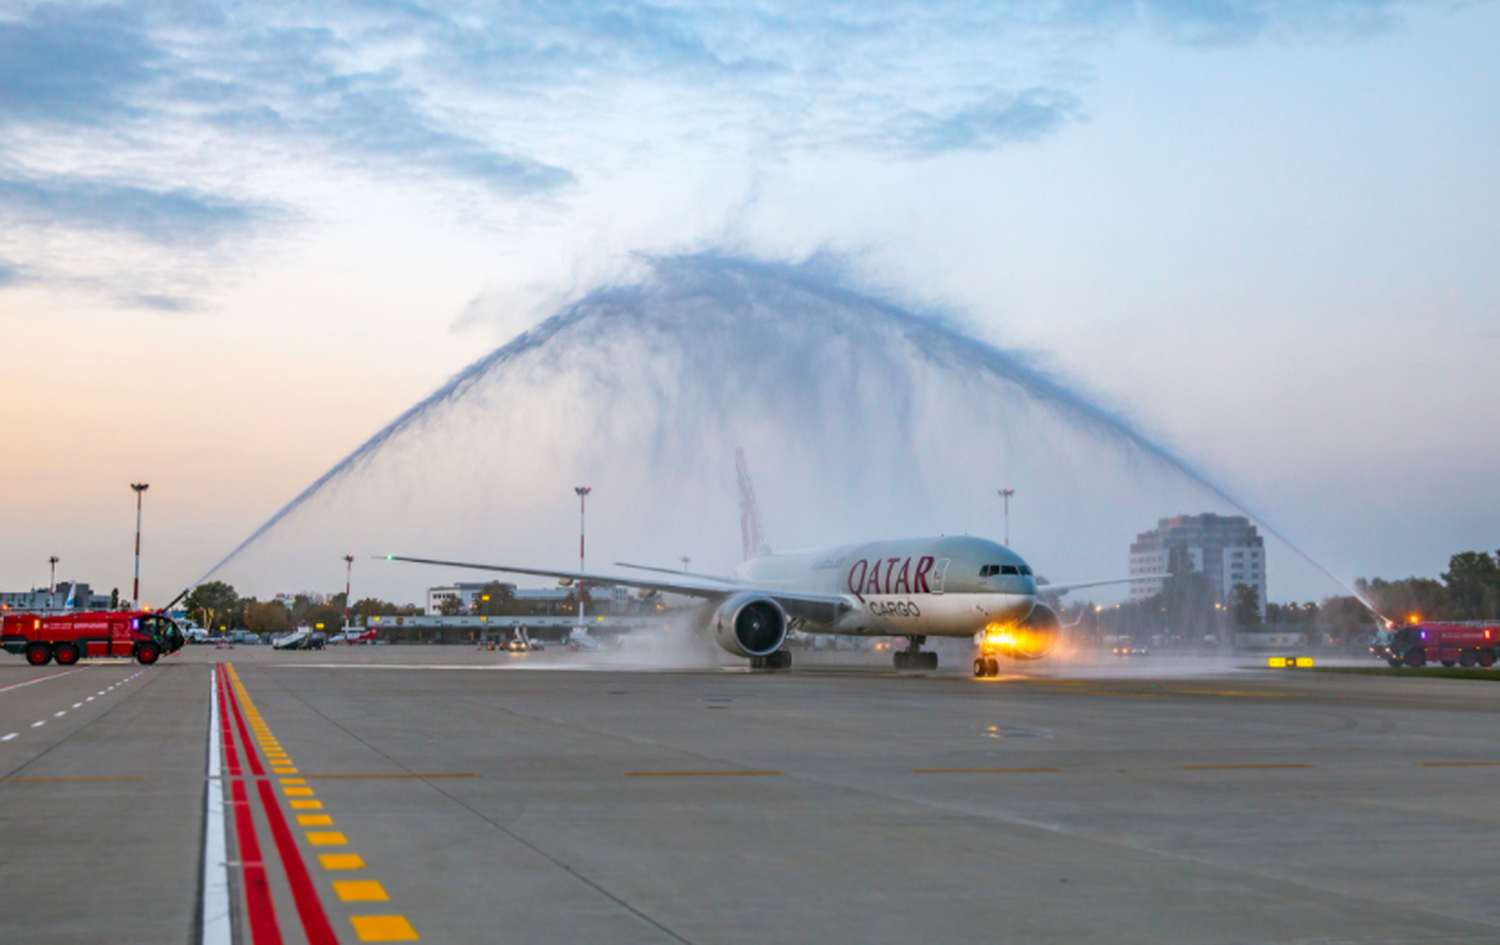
(749,625)
(1031,639)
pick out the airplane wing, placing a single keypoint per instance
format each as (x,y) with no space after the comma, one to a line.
(1064,588)
(823,608)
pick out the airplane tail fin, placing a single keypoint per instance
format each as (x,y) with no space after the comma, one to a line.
(751,533)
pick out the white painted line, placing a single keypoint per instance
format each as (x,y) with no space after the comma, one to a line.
(63,712)
(89,699)
(30,682)
(217,928)
(8,737)
(78,705)
(39,724)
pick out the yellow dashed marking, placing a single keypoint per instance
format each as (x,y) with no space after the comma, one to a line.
(297,791)
(293,781)
(307,805)
(360,890)
(341,861)
(275,770)
(383,928)
(326,838)
(314,820)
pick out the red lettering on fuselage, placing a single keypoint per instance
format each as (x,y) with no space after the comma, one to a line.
(872,586)
(903,579)
(919,580)
(856,583)
(890,568)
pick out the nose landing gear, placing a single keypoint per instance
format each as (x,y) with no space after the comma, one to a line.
(986,666)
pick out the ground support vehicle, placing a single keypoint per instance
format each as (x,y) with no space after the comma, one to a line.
(1447,643)
(69,637)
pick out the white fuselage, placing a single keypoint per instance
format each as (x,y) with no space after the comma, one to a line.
(948,587)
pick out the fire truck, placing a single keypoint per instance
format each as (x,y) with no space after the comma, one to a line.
(1448,643)
(69,637)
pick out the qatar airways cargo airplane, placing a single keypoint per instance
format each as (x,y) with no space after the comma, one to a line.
(914,588)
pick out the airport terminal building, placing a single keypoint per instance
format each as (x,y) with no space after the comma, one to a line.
(1226,548)
(67,595)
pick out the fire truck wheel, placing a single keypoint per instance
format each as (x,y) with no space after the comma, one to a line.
(1415,658)
(1486,658)
(147,653)
(38,654)
(66,653)
(1466,659)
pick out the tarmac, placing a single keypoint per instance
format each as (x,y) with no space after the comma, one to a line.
(465,796)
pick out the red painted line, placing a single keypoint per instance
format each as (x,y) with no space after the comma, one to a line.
(42,679)
(262,914)
(309,907)
(231,756)
(239,721)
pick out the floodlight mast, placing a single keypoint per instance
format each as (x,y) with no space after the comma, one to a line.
(140,488)
(583,494)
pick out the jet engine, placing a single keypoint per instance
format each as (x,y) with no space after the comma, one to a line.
(1031,639)
(749,625)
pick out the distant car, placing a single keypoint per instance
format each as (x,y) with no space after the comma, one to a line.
(1133,649)
(517,646)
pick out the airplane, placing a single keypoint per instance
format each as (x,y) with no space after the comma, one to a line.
(950,586)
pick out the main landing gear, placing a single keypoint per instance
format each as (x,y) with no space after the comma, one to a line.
(913,658)
(986,666)
(781,659)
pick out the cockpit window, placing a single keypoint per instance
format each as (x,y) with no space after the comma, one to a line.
(1026,570)
(990,570)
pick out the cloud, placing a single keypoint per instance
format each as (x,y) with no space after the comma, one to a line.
(71,65)
(1000,120)
(176,216)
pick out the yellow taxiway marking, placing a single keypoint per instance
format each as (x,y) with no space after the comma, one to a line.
(1236,767)
(327,838)
(306,805)
(297,791)
(1457,764)
(383,928)
(134,777)
(341,861)
(360,890)
(314,820)
(276,770)
(983,770)
(700,774)
(293,781)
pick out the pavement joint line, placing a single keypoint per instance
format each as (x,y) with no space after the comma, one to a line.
(984,770)
(1238,767)
(381,928)
(701,774)
(112,777)
(32,682)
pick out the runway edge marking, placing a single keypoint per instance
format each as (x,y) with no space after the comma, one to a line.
(217,928)
(261,912)
(368,928)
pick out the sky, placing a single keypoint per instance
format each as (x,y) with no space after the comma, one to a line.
(237,241)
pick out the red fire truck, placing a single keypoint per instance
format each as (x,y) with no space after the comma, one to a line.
(1447,643)
(71,636)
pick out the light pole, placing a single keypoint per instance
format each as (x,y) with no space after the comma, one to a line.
(686,560)
(52,583)
(583,494)
(1006,494)
(348,583)
(140,488)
